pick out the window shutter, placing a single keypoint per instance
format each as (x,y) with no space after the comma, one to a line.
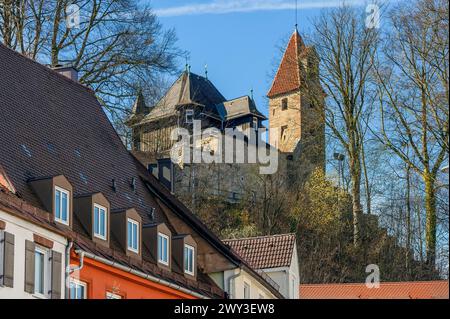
(56,275)
(8,271)
(29,266)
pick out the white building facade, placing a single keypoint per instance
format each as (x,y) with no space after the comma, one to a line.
(276,257)
(32,258)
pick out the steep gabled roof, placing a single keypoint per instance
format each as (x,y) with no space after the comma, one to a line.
(266,251)
(188,89)
(287,78)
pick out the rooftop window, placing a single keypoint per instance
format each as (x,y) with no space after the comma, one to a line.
(163,249)
(133,235)
(189,259)
(62,205)
(100,216)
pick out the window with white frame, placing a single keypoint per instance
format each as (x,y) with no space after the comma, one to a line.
(133,235)
(246,291)
(189,253)
(111,295)
(62,202)
(77,289)
(41,275)
(163,249)
(189,116)
(100,216)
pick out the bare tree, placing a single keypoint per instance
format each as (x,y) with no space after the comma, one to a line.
(345,48)
(412,73)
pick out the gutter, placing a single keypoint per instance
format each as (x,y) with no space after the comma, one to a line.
(140,274)
(229,282)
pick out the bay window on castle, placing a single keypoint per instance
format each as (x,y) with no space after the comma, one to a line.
(62,205)
(100,216)
(163,249)
(133,235)
(189,259)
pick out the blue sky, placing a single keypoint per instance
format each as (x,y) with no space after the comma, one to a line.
(237,39)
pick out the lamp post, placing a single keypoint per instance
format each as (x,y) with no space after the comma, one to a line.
(340,158)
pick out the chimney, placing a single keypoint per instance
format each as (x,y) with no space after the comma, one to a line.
(68,71)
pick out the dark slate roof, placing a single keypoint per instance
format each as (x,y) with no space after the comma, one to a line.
(51,126)
(188,89)
(265,252)
(236,108)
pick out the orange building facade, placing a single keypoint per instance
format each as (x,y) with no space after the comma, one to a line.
(102,281)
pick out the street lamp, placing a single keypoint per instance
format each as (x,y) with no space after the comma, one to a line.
(340,158)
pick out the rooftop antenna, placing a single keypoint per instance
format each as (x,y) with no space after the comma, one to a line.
(296,15)
(206,71)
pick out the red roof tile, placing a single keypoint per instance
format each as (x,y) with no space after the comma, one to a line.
(287,78)
(265,252)
(387,290)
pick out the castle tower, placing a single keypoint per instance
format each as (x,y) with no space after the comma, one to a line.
(296,100)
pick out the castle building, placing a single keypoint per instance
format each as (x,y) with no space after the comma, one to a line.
(296,126)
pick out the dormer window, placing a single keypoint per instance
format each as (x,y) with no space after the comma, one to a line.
(189,116)
(189,253)
(62,205)
(163,249)
(133,235)
(100,221)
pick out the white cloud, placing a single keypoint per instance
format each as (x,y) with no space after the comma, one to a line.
(229,6)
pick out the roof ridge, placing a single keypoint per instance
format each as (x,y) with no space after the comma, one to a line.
(260,237)
(393,283)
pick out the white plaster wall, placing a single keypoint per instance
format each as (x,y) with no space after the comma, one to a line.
(24,230)
(283,276)
(237,285)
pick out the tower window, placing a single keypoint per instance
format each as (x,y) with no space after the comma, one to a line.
(284,104)
(283,132)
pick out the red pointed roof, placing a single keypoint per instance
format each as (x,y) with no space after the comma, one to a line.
(287,78)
